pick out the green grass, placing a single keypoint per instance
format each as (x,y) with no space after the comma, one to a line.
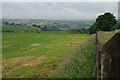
(36,54)
(104,36)
(81,64)
(17,28)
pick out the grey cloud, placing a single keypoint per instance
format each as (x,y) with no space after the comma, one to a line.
(58,10)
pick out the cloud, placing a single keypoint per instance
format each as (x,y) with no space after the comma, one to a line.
(59,0)
(57,10)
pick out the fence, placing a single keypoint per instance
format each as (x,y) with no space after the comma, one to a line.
(107,63)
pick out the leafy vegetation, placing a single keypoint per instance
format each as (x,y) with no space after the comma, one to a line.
(116,26)
(81,64)
(93,29)
(104,22)
(79,30)
(53,28)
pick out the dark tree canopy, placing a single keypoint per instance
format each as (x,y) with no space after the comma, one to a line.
(6,23)
(44,28)
(105,22)
(34,25)
(93,29)
(12,24)
(79,30)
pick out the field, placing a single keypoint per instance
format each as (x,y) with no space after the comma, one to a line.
(18,28)
(41,55)
(81,64)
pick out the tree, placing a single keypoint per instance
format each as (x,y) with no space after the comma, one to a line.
(38,26)
(84,30)
(105,22)
(93,29)
(75,30)
(34,25)
(12,24)
(44,28)
(6,23)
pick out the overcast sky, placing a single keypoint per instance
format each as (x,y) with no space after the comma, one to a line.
(57,10)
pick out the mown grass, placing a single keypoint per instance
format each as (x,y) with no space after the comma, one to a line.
(28,55)
(81,64)
(13,43)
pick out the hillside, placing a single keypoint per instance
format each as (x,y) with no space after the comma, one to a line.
(49,23)
(17,28)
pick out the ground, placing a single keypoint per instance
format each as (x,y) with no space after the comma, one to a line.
(37,54)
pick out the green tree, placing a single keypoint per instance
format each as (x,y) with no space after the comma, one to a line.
(105,22)
(116,26)
(6,23)
(44,28)
(93,29)
(34,25)
(38,26)
(12,24)
(74,30)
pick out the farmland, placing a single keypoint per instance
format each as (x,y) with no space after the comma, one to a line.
(28,55)
(18,28)
(50,40)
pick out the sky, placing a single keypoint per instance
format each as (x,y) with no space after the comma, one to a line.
(60,0)
(58,10)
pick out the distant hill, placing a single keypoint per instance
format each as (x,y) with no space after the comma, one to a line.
(49,23)
(35,25)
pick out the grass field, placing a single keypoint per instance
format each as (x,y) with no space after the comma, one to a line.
(81,64)
(18,28)
(37,54)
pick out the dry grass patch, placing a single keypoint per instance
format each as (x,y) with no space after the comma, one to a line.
(7,42)
(5,46)
(36,60)
(68,44)
(8,64)
(75,42)
(35,45)
(21,62)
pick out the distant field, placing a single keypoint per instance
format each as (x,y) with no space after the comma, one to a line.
(37,54)
(18,28)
